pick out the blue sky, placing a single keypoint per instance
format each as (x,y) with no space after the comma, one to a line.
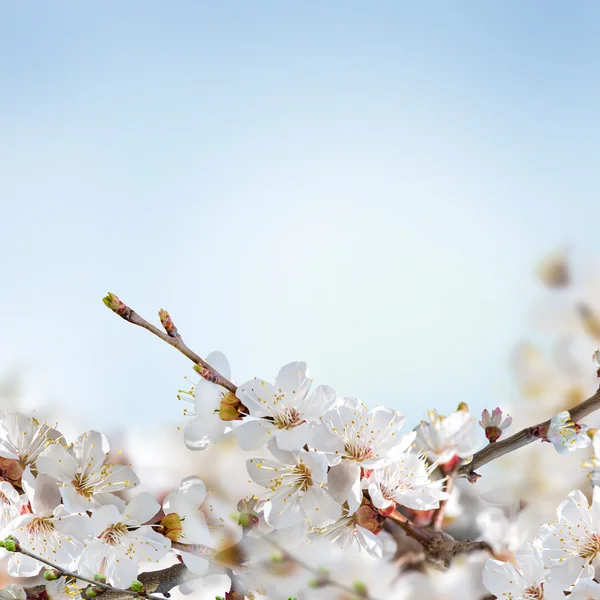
(364,187)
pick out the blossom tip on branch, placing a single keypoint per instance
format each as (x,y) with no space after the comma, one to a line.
(167,323)
(113,302)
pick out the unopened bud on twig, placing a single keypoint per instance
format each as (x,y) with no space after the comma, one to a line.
(100,578)
(553,270)
(12,544)
(137,586)
(167,323)
(117,306)
(52,574)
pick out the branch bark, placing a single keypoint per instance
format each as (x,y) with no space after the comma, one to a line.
(522,438)
(171,337)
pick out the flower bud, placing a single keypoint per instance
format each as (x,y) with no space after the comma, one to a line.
(113,302)
(137,586)
(100,578)
(167,323)
(91,592)
(12,545)
(172,525)
(52,574)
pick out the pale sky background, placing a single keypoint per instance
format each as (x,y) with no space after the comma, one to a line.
(364,186)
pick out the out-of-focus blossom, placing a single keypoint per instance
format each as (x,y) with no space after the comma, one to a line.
(446,438)
(13,592)
(586,589)
(565,435)
(553,269)
(493,424)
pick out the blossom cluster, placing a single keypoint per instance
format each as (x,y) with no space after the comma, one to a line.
(61,505)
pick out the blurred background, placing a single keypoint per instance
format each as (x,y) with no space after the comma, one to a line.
(366,188)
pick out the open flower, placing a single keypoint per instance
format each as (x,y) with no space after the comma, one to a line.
(87,480)
(296,484)
(405,482)
(571,546)
(50,532)
(121,542)
(565,435)
(356,438)
(24,438)
(525,581)
(212,419)
(185,523)
(445,438)
(347,532)
(493,424)
(284,409)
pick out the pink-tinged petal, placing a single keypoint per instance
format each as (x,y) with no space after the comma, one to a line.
(506,423)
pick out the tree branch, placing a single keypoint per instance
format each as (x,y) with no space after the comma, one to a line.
(522,438)
(171,337)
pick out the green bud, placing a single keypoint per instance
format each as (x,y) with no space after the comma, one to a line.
(11,544)
(219,598)
(90,592)
(137,586)
(52,575)
(360,587)
(100,578)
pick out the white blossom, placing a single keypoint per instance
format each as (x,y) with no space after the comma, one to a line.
(296,484)
(207,426)
(87,479)
(356,438)
(24,438)
(565,435)
(586,589)
(185,502)
(13,592)
(51,532)
(121,542)
(571,545)
(444,438)
(525,581)
(406,482)
(286,409)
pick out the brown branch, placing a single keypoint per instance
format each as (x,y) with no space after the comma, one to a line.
(172,337)
(439,546)
(155,582)
(438,515)
(522,438)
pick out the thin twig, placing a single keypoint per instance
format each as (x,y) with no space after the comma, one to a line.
(522,438)
(100,584)
(172,337)
(438,516)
